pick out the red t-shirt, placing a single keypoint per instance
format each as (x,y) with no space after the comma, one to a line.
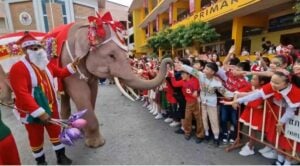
(169,93)
(234,83)
(188,88)
(196,81)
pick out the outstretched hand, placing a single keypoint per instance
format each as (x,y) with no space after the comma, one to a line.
(233,103)
(239,73)
(279,128)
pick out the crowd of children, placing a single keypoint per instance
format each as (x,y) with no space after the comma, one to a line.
(210,92)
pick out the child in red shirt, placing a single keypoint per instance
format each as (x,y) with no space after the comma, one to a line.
(190,89)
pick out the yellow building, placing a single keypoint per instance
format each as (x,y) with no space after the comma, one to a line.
(248,23)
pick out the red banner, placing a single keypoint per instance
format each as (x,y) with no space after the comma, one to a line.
(192,6)
(145,3)
(148,30)
(171,14)
(157,23)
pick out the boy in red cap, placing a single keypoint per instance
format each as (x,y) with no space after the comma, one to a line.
(36,101)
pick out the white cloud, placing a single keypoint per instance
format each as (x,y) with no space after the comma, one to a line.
(122,2)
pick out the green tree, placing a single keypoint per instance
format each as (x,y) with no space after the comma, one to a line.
(199,32)
(153,43)
(183,36)
(175,37)
(160,40)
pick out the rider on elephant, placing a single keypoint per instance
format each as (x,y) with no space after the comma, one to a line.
(36,100)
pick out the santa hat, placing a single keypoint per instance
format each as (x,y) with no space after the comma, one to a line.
(28,40)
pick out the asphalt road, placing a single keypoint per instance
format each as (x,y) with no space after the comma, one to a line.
(132,136)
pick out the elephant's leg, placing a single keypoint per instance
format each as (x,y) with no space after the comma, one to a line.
(94,91)
(80,93)
(65,106)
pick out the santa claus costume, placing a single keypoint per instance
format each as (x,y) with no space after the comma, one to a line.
(35,96)
(287,99)
(255,120)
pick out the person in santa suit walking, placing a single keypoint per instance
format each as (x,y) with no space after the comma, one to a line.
(36,101)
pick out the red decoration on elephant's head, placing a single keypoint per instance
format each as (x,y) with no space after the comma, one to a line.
(96,29)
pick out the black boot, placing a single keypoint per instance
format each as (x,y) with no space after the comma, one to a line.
(41,160)
(216,142)
(62,159)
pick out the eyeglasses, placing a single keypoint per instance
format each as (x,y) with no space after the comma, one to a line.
(34,48)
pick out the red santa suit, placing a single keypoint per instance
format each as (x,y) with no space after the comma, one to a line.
(287,99)
(24,77)
(257,111)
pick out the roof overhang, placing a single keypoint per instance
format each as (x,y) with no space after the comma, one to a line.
(255,7)
(227,14)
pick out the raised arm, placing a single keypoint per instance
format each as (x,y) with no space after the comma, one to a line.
(222,74)
(250,97)
(192,71)
(225,92)
(227,58)
(241,94)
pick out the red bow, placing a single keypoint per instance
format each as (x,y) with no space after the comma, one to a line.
(116,25)
(97,23)
(105,19)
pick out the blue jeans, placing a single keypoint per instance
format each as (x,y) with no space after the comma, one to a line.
(228,113)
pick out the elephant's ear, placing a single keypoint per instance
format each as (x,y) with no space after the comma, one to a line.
(82,45)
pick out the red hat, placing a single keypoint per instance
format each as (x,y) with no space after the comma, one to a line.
(28,40)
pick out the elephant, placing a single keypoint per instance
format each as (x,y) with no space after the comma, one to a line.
(106,60)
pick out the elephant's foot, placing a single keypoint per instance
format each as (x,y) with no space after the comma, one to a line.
(94,140)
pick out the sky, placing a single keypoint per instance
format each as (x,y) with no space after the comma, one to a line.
(123,2)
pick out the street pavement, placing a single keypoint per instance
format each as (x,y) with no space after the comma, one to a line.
(132,136)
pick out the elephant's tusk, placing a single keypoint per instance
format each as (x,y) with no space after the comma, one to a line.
(122,90)
(132,92)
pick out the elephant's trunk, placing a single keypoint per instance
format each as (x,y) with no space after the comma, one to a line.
(138,83)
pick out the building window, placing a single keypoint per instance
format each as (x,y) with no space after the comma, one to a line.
(54,13)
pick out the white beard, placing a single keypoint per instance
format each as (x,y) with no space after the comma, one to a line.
(39,58)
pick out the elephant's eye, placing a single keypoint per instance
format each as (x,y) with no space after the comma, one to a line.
(112,56)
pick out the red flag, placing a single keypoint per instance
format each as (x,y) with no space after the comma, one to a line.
(145,3)
(192,6)
(171,14)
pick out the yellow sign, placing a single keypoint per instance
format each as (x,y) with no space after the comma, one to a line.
(221,8)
